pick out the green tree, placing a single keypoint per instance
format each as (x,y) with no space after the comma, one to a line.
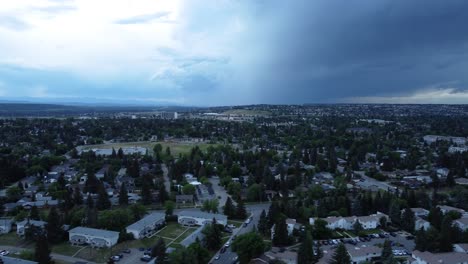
(159,250)
(103,201)
(169,207)
(247,246)
(54,227)
(188,189)
(229,208)
(341,255)
(213,235)
(34,213)
(146,196)
(263,224)
(357,227)
(77,196)
(42,250)
(320,229)
(305,255)
(123,195)
(446,238)
(200,253)
(408,220)
(281,236)
(241,212)
(387,254)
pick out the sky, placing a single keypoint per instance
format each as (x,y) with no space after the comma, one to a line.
(233,52)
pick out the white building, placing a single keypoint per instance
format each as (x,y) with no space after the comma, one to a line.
(462,248)
(5,225)
(25,224)
(462,223)
(420,212)
(147,226)
(421,223)
(192,218)
(437,258)
(363,253)
(347,223)
(95,237)
(445,209)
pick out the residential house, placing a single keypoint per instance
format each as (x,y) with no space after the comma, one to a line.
(347,223)
(184,199)
(420,212)
(363,253)
(291,223)
(147,226)
(287,256)
(462,223)
(445,209)
(5,225)
(192,218)
(421,223)
(437,258)
(25,224)
(95,237)
(102,172)
(462,248)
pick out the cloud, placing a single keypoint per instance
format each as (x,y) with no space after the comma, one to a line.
(13,23)
(430,96)
(146,18)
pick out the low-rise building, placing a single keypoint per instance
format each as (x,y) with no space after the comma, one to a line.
(184,199)
(347,223)
(437,258)
(462,223)
(192,218)
(147,226)
(445,209)
(25,224)
(420,223)
(421,212)
(461,247)
(95,237)
(5,225)
(363,253)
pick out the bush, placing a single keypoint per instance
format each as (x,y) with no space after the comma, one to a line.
(171,218)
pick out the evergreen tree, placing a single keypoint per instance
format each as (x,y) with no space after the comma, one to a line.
(306,251)
(34,213)
(159,250)
(123,195)
(77,197)
(103,201)
(241,212)
(213,235)
(394,212)
(341,255)
(408,220)
(263,224)
(146,196)
(281,236)
(200,253)
(446,238)
(248,246)
(273,213)
(163,195)
(357,227)
(420,240)
(229,208)
(42,250)
(54,226)
(387,254)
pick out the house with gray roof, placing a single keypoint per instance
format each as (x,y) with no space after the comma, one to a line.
(98,238)
(25,224)
(198,218)
(5,225)
(147,226)
(437,258)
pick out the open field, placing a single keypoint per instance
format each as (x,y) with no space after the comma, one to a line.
(175,147)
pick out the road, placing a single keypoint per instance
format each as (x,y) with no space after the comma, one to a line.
(16,250)
(219,191)
(167,181)
(368,182)
(255,210)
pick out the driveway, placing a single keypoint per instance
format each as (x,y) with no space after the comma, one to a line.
(219,192)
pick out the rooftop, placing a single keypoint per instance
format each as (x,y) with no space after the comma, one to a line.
(147,220)
(446,258)
(94,232)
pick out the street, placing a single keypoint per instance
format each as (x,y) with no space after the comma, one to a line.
(254,210)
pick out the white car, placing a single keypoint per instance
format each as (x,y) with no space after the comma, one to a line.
(217,256)
(4,252)
(228,244)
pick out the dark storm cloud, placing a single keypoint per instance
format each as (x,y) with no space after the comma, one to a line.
(319,50)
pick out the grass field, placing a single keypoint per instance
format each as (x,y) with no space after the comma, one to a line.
(175,147)
(65,248)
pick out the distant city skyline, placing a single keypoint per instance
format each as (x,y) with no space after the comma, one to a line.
(212,53)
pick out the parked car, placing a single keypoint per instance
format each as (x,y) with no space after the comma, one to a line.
(115,258)
(145,258)
(4,252)
(223,249)
(217,256)
(127,250)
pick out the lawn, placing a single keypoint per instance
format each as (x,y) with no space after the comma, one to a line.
(185,235)
(10,239)
(176,147)
(172,230)
(235,223)
(65,249)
